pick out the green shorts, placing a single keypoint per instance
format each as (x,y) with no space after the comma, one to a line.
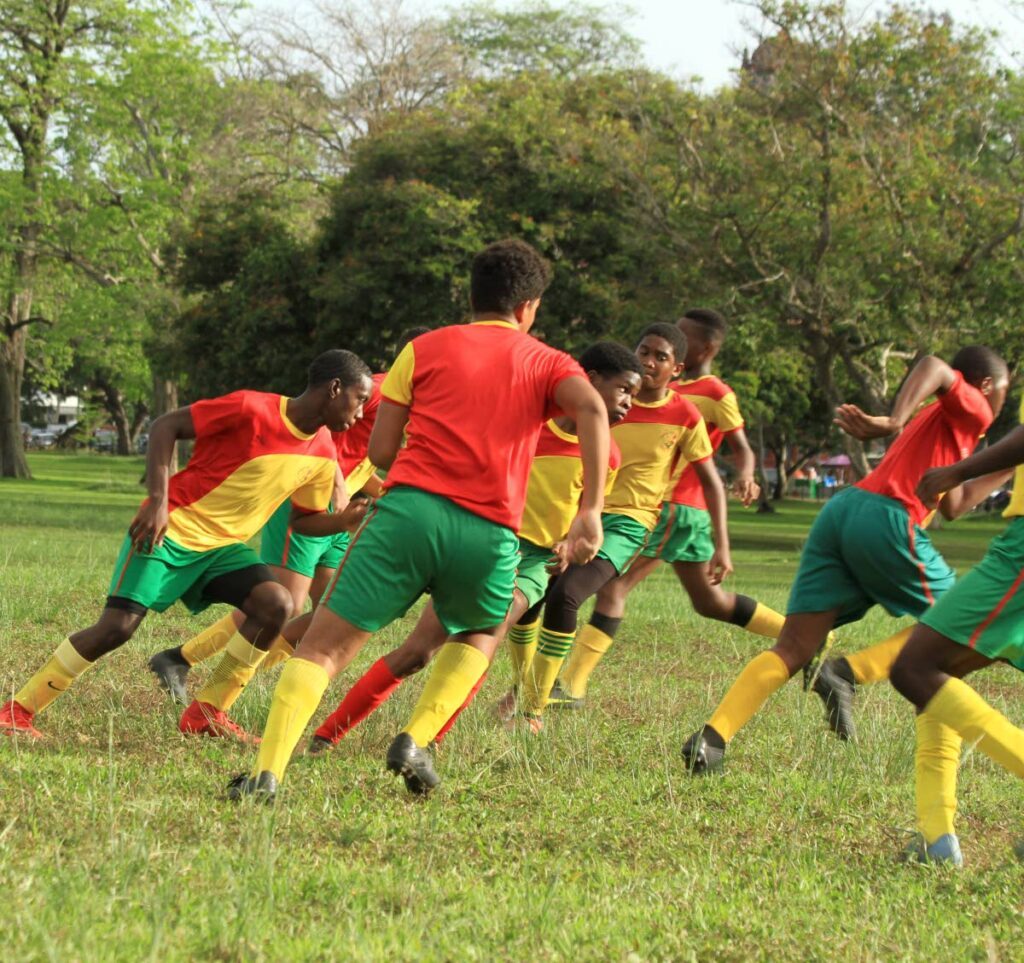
(532,575)
(413,542)
(285,548)
(683,534)
(169,573)
(863,550)
(985,609)
(624,540)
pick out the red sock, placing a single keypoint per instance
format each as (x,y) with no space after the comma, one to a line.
(369,692)
(458,712)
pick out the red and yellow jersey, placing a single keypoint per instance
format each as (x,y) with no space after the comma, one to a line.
(716,402)
(353,444)
(1016,506)
(940,434)
(652,438)
(555,485)
(248,458)
(478,396)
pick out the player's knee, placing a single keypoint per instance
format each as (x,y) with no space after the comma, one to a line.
(271,604)
(709,606)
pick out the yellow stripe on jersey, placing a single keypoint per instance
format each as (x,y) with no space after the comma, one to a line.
(1016,506)
(553,490)
(359,476)
(724,412)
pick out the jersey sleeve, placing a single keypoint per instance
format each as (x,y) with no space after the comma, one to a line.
(694,443)
(727,415)
(559,366)
(614,464)
(211,416)
(397,384)
(965,407)
(315,494)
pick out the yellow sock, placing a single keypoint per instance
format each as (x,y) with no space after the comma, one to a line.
(552,648)
(873,664)
(236,667)
(280,651)
(591,645)
(52,679)
(457,668)
(522,647)
(762,676)
(937,759)
(961,708)
(299,690)
(766,622)
(210,641)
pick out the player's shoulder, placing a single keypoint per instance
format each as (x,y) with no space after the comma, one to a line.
(708,386)
(553,441)
(683,410)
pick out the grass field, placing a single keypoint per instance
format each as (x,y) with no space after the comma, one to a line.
(589,842)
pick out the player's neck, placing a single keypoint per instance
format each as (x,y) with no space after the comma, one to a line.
(495,316)
(305,413)
(701,371)
(649,396)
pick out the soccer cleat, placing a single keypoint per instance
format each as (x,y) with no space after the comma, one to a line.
(561,699)
(203,719)
(16,720)
(524,722)
(171,671)
(413,764)
(261,788)
(318,745)
(507,704)
(835,684)
(704,752)
(945,849)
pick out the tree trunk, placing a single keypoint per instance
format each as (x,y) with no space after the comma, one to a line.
(763,504)
(781,477)
(113,401)
(165,398)
(12,369)
(138,417)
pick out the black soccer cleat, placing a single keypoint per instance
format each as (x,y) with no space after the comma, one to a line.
(261,788)
(835,684)
(413,764)
(704,752)
(559,698)
(319,745)
(171,671)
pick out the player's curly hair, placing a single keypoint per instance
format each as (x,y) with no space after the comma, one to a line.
(610,358)
(976,362)
(710,323)
(347,367)
(410,334)
(671,334)
(505,274)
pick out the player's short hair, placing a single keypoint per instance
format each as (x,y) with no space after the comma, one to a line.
(977,362)
(670,333)
(610,358)
(505,274)
(710,323)
(347,367)
(410,334)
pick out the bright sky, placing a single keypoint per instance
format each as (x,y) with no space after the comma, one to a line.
(706,37)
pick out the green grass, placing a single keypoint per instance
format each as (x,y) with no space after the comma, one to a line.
(587,843)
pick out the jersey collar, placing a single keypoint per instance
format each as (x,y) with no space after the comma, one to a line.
(498,324)
(289,424)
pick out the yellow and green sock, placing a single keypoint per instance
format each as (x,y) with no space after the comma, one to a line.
(763,675)
(522,648)
(552,648)
(64,666)
(457,669)
(299,690)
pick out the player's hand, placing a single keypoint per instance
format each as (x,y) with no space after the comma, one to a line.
(584,537)
(720,566)
(935,482)
(746,490)
(559,559)
(354,512)
(148,527)
(858,423)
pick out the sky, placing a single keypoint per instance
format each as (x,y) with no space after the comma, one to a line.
(705,38)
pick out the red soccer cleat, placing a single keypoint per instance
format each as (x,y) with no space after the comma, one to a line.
(16,720)
(203,719)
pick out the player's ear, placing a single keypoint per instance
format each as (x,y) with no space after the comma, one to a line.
(335,388)
(987,385)
(678,369)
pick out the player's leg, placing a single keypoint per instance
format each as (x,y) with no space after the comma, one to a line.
(283,647)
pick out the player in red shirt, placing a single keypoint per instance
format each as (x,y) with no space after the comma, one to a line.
(187,541)
(868,545)
(471,401)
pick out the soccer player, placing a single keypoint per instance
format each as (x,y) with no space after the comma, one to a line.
(303,564)
(868,546)
(187,541)
(978,622)
(683,535)
(472,400)
(661,429)
(552,499)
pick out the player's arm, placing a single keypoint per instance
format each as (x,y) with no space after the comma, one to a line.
(330,523)
(960,500)
(746,489)
(1007,453)
(372,486)
(577,397)
(387,434)
(714,494)
(930,376)
(149,525)
(339,497)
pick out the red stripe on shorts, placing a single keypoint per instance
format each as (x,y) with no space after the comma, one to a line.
(344,558)
(287,546)
(124,569)
(920,568)
(670,524)
(994,614)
